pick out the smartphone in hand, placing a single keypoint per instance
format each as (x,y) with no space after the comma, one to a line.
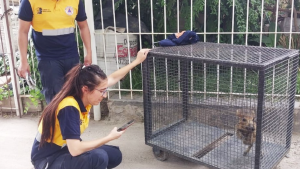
(125,126)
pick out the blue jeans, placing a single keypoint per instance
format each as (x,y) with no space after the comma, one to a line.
(104,157)
(52,75)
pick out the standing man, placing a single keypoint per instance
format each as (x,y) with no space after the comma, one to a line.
(53,23)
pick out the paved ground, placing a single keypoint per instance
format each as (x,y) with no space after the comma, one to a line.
(16,137)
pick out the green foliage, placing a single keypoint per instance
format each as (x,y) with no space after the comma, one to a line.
(35,94)
(4,60)
(212,10)
(5,92)
(80,46)
(35,98)
(33,63)
(298,83)
(136,75)
(269,39)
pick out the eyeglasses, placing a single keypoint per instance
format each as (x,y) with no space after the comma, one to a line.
(103,92)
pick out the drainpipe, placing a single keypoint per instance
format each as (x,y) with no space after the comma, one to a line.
(90,20)
(11,57)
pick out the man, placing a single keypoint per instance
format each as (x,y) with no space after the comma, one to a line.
(53,23)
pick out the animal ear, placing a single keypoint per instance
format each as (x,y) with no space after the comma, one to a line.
(239,112)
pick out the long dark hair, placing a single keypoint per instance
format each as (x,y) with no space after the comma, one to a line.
(79,76)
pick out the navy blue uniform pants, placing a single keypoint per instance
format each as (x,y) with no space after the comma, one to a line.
(104,157)
(52,75)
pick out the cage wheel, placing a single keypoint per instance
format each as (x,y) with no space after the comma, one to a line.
(160,155)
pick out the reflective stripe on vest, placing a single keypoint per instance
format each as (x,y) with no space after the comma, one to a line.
(56,32)
(38,136)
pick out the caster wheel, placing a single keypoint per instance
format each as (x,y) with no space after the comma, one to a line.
(160,155)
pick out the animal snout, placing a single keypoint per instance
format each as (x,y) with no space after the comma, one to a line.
(250,128)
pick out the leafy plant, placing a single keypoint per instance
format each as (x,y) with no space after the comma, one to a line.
(269,40)
(284,41)
(33,63)
(298,83)
(35,98)
(4,61)
(80,46)
(295,44)
(35,94)
(136,75)
(186,15)
(5,92)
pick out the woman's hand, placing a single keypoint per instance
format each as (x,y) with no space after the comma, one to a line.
(77,147)
(115,134)
(142,54)
(119,74)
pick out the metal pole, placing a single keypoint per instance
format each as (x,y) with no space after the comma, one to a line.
(11,54)
(259,118)
(292,91)
(147,94)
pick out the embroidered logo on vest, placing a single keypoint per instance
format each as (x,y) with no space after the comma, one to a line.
(69,10)
(39,10)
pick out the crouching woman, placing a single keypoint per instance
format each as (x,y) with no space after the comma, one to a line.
(57,144)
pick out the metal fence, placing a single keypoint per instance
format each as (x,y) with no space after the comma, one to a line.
(149,21)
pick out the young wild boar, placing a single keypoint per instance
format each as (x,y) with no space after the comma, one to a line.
(246,127)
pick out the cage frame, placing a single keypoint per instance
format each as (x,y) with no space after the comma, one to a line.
(261,68)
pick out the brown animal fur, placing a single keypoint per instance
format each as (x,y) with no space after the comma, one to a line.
(246,128)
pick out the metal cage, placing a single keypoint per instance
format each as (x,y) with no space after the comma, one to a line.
(226,106)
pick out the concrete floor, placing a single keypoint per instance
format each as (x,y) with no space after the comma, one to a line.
(16,138)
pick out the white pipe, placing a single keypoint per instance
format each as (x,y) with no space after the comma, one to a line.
(204,67)
(291,24)
(116,45)
(276,22)
(246,52)
(232,42)
(218,66)
(128,48)
(261,22)
(90,20)
(178,20)
(103,38)
(166,60)
(247,23)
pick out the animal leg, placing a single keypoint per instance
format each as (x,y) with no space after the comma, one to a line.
(248,149)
